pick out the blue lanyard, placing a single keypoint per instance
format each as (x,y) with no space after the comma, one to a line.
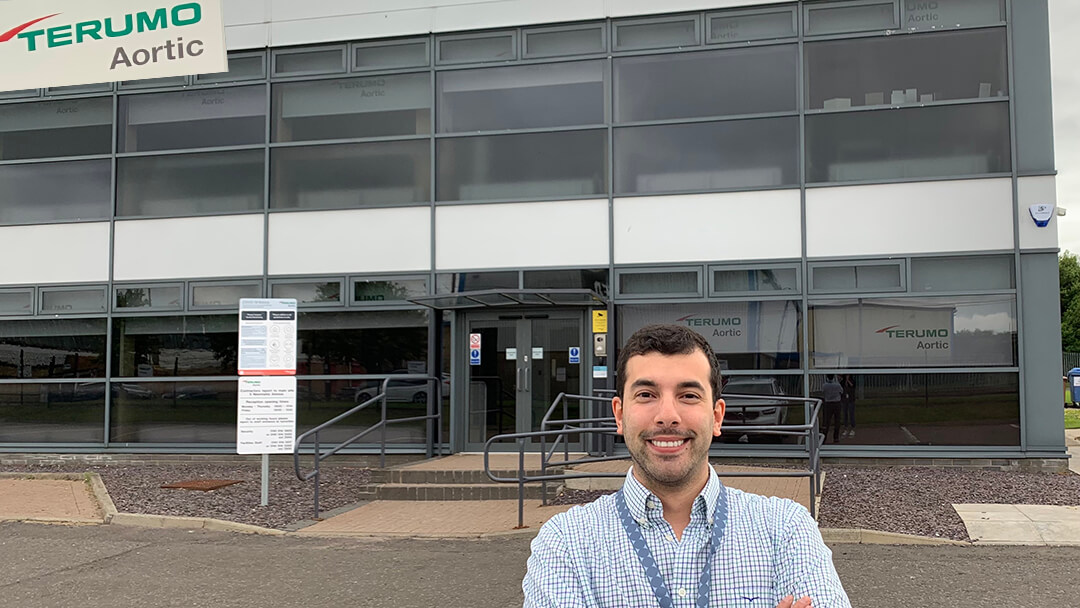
(652,571)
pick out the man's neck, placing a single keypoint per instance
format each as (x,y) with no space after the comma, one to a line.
(678,501)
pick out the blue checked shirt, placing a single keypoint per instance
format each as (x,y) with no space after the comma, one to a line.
(771,548)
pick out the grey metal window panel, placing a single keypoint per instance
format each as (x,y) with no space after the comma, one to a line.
(72,127)
(186,184)
(70,301)
(390,56)
(349,176)
(521,97)
(308,292)
(743,26)
(925,15)
(47,192)
(223,295)
(196,345)
(148,83)
(17,302)
(198,118)
(656,33)
(159,297)
(474,281)
(898,70)
(52,348)
(671,282)
(760,280)
(19,93)
(249,67)
(556,42)
(1032,94)
(44,413)
(476,49)
(692,85)
(870,277)
(707,156)
(322,61)
(391,289)
(963,273)
(958,409)
(745,335)
(188,412)
(842,17)
(527,165)
(97,87)
(595,279)
(941,331)
(908,143)
(369,106)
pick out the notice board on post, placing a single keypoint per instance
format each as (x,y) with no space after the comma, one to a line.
(266,360)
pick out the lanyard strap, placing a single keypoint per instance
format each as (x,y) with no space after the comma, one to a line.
(652,571)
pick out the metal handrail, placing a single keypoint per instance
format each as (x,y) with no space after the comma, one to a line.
(810,430)
(434,396)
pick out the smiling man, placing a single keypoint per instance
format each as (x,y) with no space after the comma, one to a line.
(674,535)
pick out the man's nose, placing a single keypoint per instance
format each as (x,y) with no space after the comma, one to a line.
(668,412)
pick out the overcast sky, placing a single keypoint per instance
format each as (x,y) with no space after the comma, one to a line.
(1064,57)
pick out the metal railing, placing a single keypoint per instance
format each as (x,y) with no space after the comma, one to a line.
(603,427)
(433,431)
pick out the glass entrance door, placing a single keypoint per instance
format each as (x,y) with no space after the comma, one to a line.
(523,365)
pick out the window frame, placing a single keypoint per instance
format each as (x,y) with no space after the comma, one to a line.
(118,310)
(340,280)
(199,79)
(809,8)
(712,269)
(514,47)
(30,291)
(619,272)
(792,10)
(353,303)
(525,32)
(193,285)
(343,60)
(42,291)
(356,46)
(692,17)
(899,263)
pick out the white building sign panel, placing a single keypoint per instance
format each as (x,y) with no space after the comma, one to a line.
(56,43)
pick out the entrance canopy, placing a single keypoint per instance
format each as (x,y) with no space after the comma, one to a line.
(495,298)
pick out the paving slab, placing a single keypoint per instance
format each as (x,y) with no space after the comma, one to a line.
(1021,524)
(48,499)
(435,519)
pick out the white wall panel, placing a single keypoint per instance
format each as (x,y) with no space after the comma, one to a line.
(195,247)
(628,8)
(242,37)
(1034,191)
(959,215)
(563,233)
(244,12)
(695,227)
(360,240)
(515,12)
(350,27)
(55,253)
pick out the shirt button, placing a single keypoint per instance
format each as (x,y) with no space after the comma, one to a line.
(682,591)
(670,538)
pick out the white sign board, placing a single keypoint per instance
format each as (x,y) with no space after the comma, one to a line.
(52,43)
(267,337)
(266,415)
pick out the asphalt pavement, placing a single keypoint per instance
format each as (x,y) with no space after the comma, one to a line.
(108,566)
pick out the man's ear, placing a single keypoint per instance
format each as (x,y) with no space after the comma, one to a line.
(617,411)
(718,416)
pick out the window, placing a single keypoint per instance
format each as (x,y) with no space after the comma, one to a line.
(897,70)
(72,301)
(911,143)
(390,55)
(46,192)
(98,87)
(532,165)
(475,281)
(348,176)
(595,279)
(500,46)
(868,276)
(189,184)
(369,342)
(727,281)
(70,412)
(223,295)
(154,297)
(521,97)
(554,42)
(855,16)
(16,302)
(952,13)
(200,345)
(52,348)
(658,281)
(309,61)
(933,409)
(74,127)
(241,67)
(639,34)
(693,85)
(196,118)
(150,83)
(389,290)
(707,156)
(945,331)
(311,293)
(744,335)
(173,412)
(968,273)
(757,24)
(373,106)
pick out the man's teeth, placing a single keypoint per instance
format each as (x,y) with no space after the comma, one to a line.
(668,444)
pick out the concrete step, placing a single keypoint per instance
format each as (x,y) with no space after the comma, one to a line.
(444,477)
(485,491)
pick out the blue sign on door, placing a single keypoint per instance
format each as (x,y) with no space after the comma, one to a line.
(474,356)
(575,354)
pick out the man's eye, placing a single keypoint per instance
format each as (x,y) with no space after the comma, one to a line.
(645,395)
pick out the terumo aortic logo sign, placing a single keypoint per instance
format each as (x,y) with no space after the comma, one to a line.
(70,42)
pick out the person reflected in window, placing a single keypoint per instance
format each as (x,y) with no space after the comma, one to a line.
(847,406)
(831,394)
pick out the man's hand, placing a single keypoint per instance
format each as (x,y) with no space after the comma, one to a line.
(789,602)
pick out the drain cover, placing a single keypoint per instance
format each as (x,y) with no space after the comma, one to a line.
(204,485)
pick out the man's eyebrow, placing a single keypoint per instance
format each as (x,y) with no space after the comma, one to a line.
(691,384)
(643,382)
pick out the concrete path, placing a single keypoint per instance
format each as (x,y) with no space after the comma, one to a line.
(1072,443)
(48,499)
(1021,524)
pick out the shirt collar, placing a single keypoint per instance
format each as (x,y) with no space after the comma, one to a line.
(638,496)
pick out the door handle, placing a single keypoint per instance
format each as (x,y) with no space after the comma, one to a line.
(517,384)
(528,374)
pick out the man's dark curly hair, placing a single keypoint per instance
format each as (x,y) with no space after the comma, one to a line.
(667,339)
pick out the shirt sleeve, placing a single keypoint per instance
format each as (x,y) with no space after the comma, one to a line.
(553,580)
(805,563)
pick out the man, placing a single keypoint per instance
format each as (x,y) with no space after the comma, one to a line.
(674,532)
(831,393)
